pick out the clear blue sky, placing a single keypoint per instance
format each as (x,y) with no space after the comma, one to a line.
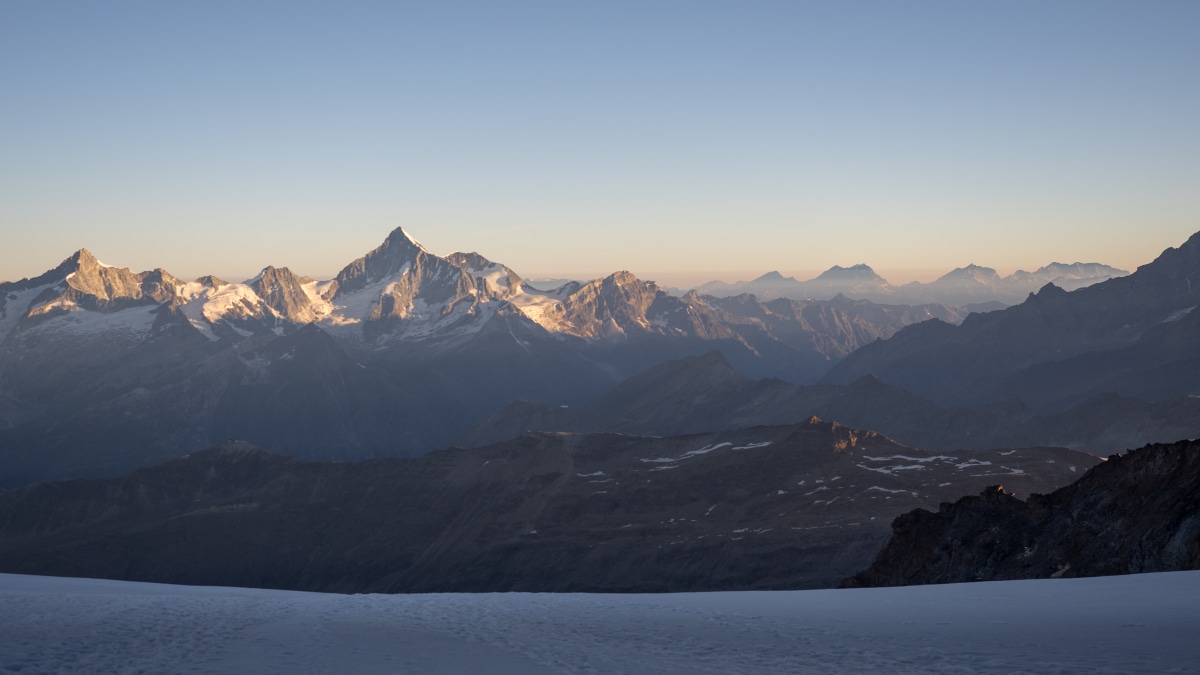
(679,140)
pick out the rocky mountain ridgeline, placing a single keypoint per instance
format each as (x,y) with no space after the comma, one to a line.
(97,360)
(103,370)
(1137,512)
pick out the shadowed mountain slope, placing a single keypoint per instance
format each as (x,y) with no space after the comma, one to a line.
(705,393)
(103,369)
(1138,512)
(798,506)
(1135,336)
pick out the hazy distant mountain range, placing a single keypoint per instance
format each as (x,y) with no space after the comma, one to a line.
(1135,336)
(103,369)
(694,461)
(974,287)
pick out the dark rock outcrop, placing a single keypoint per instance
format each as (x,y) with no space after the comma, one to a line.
(1138,512)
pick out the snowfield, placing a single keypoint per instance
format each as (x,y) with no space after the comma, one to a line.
(1133,624)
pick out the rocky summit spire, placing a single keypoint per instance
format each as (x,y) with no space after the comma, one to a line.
(399,237)
(107,284)
(396,251)
(83,258)
(282,290)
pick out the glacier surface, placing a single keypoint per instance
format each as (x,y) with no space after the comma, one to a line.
(1131,624)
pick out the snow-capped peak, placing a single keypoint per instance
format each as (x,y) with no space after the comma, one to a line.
(496,278)
(399,235)
(258,277)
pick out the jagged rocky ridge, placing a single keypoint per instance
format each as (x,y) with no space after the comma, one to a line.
(402,292)
(1138,512)
(103,369)
(797,506)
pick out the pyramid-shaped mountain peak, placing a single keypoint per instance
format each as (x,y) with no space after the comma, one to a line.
(401,237)
(270,273)
(82,260)
(396,252)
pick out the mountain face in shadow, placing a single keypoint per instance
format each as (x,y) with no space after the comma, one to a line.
(103,369)
(705,393)
(689,395)
(1133,336)
(1134,513)
(797,506)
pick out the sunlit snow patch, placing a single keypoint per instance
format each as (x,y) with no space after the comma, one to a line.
(133,323)
(702,451)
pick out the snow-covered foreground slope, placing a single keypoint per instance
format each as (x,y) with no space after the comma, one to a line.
(1140,623)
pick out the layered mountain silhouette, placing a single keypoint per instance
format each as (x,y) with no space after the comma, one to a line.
(704,393)
(103,369)
(621,437)
(1133,513)
(1133,336)
(798,506)
(975,287)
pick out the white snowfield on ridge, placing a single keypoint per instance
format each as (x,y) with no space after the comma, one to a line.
(1132,624)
